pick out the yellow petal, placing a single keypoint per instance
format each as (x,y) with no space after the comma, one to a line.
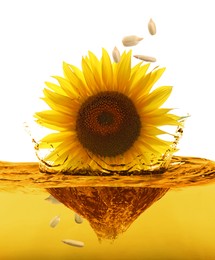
(156,98)
(138,73)
(107,72)
(124,70)
(54,116)
(96,68)
(57,89)
(143,86)
(154,141)
(67,87)
(89,76)
(69,74)
(143,83)
(51,126)
(57,107)
(154,113)
(147,148)
(45,145)
(57,137)
(167,119)
(153,131)
(59,99)
(78,73)
(60,149)
(78,81)
(154,77)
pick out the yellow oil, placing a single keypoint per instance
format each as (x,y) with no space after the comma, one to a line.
(179,226)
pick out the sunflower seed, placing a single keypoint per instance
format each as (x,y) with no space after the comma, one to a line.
(78,219)
(116,55)
(145,58)
(53,223)
(52,200)
(73,242)
(152,27)
(131,40)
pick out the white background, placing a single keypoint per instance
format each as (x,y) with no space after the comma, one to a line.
(36,36)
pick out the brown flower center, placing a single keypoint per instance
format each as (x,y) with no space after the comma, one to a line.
(108,124)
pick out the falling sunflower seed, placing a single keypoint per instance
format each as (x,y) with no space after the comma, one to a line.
(152,27)
(131,40)
(52,200)
(54,222)
(145,58)
(78,219)
(116,55)
(73,242)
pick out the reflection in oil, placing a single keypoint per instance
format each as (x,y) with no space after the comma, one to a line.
(109,210)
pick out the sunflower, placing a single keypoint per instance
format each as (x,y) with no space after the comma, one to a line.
(106,117)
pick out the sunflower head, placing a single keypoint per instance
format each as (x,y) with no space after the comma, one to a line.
(105,117)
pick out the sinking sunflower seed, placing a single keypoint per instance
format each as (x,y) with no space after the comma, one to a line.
(78,219)
(145,58)
(51,199)
(131,40)
(116,55)
(152,27)
(73,242)
(54,222)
